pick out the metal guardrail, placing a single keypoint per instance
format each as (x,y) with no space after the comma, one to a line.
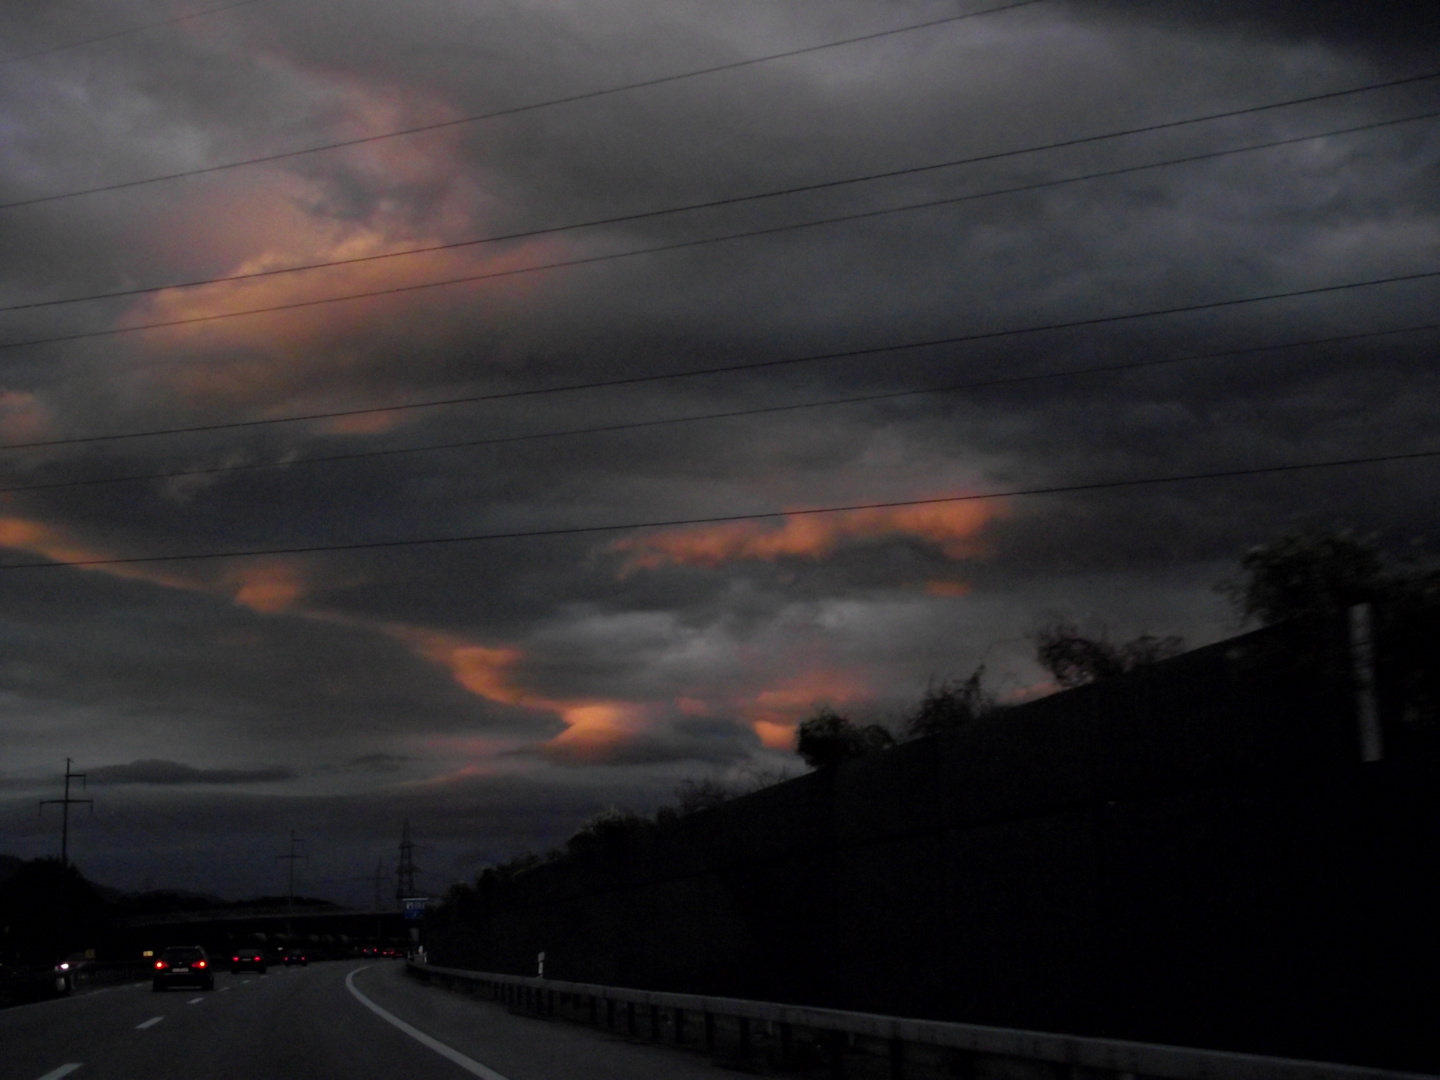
(907,1045)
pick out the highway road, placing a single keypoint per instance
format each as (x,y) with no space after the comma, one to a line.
(355,1020)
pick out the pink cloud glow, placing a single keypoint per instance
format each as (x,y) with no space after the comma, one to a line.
(953,527)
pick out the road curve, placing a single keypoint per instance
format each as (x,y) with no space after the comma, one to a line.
(331,1021)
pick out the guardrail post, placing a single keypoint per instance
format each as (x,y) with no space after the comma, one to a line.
(709,1033)
(837,1055)
(592,1010)
(787,1045)
(679,1025)
(550,1001)
(897,1060)
(610,1013)
(654,1021)
(630,1018)
(744,1037)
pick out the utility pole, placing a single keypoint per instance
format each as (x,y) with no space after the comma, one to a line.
(64,805)
(296,854)
(62,907)
(405,870)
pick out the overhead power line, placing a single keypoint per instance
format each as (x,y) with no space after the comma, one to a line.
(754,365)
(634,425)
(515,110)
(396,290)
(722,519)
(711,204)
(127,32)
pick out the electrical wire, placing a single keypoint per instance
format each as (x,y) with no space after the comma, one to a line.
(723,519)
(128,32)
(735,200)
(396,290)
(515,110)
(632,380)
(890,395)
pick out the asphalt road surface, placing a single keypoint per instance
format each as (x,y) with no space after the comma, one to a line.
(347,1021)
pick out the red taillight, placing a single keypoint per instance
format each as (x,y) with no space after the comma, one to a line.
(234,959)
(161,965)
(198,964)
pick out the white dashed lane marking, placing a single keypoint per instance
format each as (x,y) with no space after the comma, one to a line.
(63,1070)
(149,1023)
(224,988)
(195,1001)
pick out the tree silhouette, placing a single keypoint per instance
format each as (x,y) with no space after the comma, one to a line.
(1073,659)
(828,739)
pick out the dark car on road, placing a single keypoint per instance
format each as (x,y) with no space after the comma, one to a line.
(183,965)
(247,960)
(295,956)
(21,981)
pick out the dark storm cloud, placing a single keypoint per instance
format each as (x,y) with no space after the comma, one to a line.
(159,771)
(1384,26)
(401,666)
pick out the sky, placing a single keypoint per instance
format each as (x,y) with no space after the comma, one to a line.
(505,603)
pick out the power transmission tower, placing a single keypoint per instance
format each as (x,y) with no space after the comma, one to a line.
(63,904)
(64,805)
(296,854)
(405,869)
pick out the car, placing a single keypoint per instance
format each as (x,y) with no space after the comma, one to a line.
(247,960)
(183,965)
(295,956)
(21,981)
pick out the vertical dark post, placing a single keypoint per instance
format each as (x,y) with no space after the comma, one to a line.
(679,1026)
(630,1018)
(744,1037)
(610,1013)
(654,1021)
(62,901)
(787,1045)
(837,1055)
(550,1002)
(709,1033)
(897,1060)
(1362,660)
(592,1009)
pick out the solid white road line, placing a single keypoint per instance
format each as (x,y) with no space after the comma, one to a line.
(63,1070)
(195,1001)
(149,1023)
(470,1065)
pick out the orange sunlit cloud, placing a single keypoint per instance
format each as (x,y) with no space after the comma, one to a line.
(480,669)
(774,736)
(296,334)
(266,587)
(773,714)
(594,728)
(421,193)
(46,541)
(953,527)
